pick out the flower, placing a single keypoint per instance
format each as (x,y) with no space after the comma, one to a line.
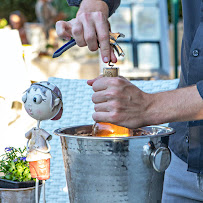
(23,158)
(15,160)
(14,166)
(8,149)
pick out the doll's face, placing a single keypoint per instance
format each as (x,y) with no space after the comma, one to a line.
(39,106)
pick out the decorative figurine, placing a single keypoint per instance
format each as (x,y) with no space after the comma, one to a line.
(42,101)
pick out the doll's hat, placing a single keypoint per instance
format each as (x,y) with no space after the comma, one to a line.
(56,91)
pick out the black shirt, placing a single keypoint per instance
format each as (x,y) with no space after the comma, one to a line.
(187,142)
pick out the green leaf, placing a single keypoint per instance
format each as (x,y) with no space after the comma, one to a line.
(10,169)
(14,178)
(18,173)
(13,164)
(26,171)
(8,177)
(19,168)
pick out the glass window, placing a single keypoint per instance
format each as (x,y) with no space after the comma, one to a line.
(148,56)
(146,23)
(121,22)
(126,62)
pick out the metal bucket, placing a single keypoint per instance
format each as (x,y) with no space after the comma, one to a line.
(18,195)
(113,170)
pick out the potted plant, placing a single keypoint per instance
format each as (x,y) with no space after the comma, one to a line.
(16,182)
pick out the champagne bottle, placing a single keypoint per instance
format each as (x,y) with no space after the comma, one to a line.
(101,129)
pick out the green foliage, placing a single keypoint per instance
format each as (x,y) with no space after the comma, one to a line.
(3,23)
(62,6)
(14,165)
(170,9)
(27,7)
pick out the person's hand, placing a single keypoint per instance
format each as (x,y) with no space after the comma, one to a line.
(119,102)
(90,28)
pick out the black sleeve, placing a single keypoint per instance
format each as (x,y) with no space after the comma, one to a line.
(200,88)
(112,4)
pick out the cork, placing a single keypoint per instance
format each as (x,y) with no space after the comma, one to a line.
(110,72)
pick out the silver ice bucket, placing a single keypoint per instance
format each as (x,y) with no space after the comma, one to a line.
(113,170)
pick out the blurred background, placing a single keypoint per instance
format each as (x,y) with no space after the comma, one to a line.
(153,31)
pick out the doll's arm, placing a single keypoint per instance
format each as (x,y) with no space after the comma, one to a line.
(28,135)
(45,135)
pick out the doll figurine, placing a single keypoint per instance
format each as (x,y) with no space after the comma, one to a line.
(42,101)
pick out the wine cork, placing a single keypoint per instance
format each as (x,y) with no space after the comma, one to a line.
(110,72)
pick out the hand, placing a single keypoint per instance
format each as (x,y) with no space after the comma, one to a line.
(89,28)
(119,102)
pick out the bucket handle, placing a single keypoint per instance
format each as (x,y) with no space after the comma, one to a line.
(159,158)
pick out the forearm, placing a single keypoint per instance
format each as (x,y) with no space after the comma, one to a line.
(183,104)
(93,6)
(111,4)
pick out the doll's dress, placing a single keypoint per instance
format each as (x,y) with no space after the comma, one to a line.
(39,161)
